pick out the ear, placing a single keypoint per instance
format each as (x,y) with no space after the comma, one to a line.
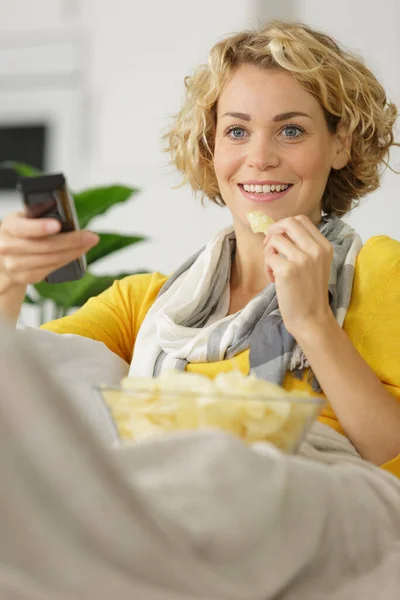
(342,148)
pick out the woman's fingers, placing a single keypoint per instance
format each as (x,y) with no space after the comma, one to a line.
(285,246)
(19,226)
(303,233)
(13,246)
(314,233)
(40,260)
(275,265)
(294,230)
(29,252)
(34,268)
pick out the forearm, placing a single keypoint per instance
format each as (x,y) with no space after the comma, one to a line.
(11,300)
(368,413)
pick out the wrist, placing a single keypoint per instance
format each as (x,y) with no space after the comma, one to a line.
(11,299)
(9,287)
(316,330)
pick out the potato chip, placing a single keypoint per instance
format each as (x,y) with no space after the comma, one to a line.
(146,387)
(259,221)
(253,409)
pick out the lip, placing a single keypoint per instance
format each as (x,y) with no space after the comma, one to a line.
(267,182)
(260,198)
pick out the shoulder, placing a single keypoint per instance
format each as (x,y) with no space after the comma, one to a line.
(140,289)
(378,262)
(372,321)
(375,295)
(380,250)
(140,293)
(142,282)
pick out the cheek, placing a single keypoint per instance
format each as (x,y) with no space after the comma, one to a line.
(226,162)
(313,166)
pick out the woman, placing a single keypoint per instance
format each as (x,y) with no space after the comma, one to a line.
(283,121)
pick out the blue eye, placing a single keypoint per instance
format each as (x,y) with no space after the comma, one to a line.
(237,133)
(293,131)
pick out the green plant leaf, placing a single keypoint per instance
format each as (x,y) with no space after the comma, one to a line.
(89,204)
(75,293)
(58,293)
(28,300)
(22,169)
(109,243)
(93,202)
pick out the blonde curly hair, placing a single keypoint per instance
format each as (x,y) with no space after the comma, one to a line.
(349,94)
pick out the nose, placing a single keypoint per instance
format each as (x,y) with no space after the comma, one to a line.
(263,153)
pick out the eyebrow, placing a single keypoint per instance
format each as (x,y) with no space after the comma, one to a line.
(280,117)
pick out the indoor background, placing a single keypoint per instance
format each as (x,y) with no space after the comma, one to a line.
(97,81)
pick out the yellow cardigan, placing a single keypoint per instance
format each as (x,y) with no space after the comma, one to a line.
(372,322)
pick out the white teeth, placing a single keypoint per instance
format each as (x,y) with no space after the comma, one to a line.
(265,189)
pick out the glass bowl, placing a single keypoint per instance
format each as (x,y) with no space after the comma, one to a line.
(140,414)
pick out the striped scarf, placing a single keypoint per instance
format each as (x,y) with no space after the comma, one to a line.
(188,321)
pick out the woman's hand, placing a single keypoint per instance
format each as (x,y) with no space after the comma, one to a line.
(298,259)
(30,249)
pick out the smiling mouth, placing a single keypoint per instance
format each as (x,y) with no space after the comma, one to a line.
(261,193)
(265,188)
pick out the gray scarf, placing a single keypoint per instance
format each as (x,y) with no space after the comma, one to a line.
(259,326)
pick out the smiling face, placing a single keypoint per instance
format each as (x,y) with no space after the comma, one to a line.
(273,150)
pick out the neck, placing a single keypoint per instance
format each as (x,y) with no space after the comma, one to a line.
(248,273)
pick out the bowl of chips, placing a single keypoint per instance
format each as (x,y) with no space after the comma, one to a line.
(252,409)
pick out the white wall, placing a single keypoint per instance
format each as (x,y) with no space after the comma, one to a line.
(141,53)
(41,79)
(134,58)
(373,29)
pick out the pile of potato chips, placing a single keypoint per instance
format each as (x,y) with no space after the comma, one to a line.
(252,409)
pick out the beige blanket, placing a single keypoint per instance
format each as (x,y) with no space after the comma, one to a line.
(191,516)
